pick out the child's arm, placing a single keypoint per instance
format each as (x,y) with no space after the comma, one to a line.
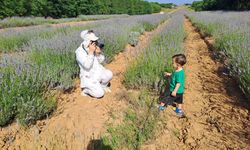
(176,89)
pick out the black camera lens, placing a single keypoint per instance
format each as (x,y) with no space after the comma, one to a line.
(100,45)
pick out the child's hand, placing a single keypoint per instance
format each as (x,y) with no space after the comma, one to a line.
(167,74)
(173,93)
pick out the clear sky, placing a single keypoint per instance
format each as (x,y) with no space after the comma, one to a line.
(178,2)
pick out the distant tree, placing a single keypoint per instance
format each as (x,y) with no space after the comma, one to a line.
(168,5)
(221,5)
(155,7)
(73,8)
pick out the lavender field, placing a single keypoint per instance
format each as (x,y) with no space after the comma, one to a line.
(45,61)
(38,63)
(231,32)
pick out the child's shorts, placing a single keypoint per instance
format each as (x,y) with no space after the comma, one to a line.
(169,100)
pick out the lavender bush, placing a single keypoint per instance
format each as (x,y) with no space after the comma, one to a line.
(232,33)
(133,38)
(24,91)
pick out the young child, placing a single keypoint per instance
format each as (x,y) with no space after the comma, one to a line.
(176,85)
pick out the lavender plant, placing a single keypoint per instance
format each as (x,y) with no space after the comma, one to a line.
(24,91)
(232,33)
(133,38)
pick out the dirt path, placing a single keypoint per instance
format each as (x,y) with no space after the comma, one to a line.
(78,119)
(217,114)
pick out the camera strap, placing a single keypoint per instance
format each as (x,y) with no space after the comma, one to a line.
(84,49)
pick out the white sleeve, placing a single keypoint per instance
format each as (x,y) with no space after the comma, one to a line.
(85,60)
(100,58)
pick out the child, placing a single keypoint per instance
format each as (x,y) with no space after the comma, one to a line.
(176,86)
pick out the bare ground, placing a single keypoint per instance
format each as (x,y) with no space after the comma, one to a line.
(78,120)
(217,113)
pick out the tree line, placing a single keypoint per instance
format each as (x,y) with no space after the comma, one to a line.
(168,5)
(73,8)
(221,5)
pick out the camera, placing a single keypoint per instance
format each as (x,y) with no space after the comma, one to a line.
(98,44)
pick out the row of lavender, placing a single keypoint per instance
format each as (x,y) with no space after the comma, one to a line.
(48,62)
(13,40)
(147,70)
(144,74)
(29,21)
(231,31)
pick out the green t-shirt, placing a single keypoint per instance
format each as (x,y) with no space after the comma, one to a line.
(177,77)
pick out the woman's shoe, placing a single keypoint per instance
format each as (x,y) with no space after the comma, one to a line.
(107,90)
(83,93)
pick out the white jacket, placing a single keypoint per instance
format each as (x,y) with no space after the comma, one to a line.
(90,65)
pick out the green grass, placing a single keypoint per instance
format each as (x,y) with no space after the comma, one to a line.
(139,124)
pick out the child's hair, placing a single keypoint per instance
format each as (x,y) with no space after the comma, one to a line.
(180,59)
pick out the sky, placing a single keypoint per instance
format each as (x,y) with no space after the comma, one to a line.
(178,2)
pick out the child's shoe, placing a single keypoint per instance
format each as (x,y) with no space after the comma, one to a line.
(161,108)
(179,112)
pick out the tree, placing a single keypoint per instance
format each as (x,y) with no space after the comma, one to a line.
(73,8)
(221,5)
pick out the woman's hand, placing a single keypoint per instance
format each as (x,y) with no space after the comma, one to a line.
(167,74)
(98,51)
(92,48)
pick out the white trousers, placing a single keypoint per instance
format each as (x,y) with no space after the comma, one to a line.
(95,87)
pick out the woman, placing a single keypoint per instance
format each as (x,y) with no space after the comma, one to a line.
(94,77)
